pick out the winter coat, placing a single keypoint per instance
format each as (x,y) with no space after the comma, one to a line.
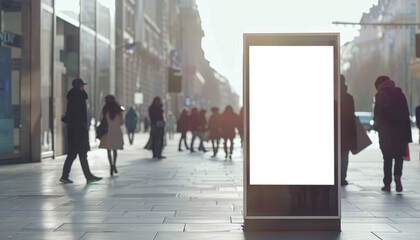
(194,122)
(155,114)
(202,122)
(77,131)
(391,120)
(348,124)
(113,139)
(182,124)
(215,132)
(228,123)
(418,116)
(131,120)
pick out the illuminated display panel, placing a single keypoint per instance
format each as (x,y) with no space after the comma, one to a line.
(291,115)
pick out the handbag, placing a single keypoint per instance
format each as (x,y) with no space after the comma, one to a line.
(102,129)
(363,140)
(407,153)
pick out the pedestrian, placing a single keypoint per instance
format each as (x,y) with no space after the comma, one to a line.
(131,120)
(348,129)
(241,125)
(194,126)
(77,132)
(182,127)
(113,139)
(170,125)
(214,130)
(228,124)
(392,122)
(146,123)
(202,126)
(157,128)
(418,119)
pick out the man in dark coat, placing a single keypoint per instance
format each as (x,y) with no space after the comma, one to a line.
(131,120)
(348,129)
(391,117)
(194,126)
(77,132)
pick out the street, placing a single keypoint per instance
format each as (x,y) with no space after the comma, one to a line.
(187,196)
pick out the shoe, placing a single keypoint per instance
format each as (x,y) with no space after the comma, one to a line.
(93,179)
(65,180)
(180,150)
(192,151)
(230,157)
(161,157)
(386,188)
(115,169)
(111,172)
(399,187)
(205,150)
(344,182)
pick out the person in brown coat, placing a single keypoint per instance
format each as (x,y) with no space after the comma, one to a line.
(113,139)
(228,123)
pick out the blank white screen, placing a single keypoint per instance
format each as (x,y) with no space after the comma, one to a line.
(291,115)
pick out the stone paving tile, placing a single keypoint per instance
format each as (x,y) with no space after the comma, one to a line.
(114,236)
(124,228)
(135,220)
(195,227)
(398,236)
(198,219)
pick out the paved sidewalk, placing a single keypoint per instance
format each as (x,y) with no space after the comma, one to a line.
(186,196)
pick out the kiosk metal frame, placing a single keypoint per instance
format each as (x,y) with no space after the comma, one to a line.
(269,217)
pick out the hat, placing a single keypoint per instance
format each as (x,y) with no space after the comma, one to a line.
(78,82)
(109,98)
(381,80)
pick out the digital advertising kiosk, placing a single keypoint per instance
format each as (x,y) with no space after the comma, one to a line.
(291,167)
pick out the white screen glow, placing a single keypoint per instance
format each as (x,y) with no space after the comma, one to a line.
(291,102)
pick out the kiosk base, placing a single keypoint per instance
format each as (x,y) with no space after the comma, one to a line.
(292,225)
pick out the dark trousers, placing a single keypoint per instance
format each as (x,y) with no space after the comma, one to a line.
(398,165)
(157,141)
(83,161)
(344,164)
(215,145)
(183,137)
(225,146)
(194,135)
(130,137)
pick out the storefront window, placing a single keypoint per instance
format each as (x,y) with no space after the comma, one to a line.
(87,72)
(46,81)
(48,2)
(10,77)
(68,8)
(89,13)
(103,72)
(105,8)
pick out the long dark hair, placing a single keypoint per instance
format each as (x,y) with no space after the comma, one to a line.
(112,107)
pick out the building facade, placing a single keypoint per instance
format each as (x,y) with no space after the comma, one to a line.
(383,50)
(124,47)
(56,41)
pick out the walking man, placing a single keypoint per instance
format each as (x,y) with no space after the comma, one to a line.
(77,132)
(392,122)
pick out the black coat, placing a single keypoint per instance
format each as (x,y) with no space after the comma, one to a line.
(77,130)
(182,124)
(348,124)
(214,127)
(392,121)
